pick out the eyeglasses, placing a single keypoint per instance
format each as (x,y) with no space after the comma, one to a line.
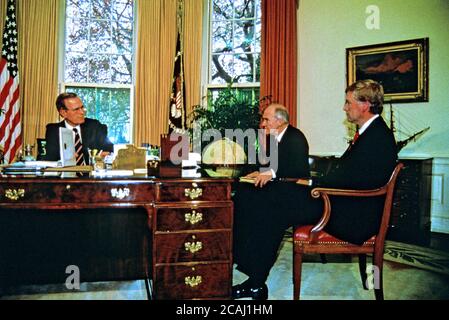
(76,109)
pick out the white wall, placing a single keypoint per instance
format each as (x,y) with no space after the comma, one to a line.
(328,27)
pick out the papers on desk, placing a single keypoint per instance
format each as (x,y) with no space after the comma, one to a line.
(113,173)
(247,180)
(69,169)
(27,167)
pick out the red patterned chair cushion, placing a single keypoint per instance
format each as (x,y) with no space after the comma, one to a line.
(301,234)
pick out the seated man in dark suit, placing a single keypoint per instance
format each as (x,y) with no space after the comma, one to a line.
(256,238)
(366,164)
(92,134)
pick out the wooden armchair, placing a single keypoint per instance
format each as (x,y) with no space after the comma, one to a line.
(312,239)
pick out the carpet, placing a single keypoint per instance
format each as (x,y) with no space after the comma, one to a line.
(416,256)
(410,273)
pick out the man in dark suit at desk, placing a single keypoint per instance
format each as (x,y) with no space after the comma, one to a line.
(88,133)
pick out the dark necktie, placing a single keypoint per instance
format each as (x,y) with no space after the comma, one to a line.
(79,149)
(356,136)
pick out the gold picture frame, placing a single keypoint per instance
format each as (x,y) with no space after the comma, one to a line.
(401,67)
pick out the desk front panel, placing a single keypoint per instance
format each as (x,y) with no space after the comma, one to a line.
(74,192)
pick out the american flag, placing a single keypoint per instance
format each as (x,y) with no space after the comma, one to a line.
(10,127)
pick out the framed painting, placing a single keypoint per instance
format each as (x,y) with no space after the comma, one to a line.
(401,67)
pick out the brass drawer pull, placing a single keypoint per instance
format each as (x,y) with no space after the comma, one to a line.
(120,193)
(193,217)
(14,194)
(194,192)
(193,281)
(193,247)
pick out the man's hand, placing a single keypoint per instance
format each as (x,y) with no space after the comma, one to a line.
(263,178)
(252,174)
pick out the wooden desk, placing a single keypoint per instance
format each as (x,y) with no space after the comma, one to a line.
(176,232)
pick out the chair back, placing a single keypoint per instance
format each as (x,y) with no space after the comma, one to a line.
(389,190)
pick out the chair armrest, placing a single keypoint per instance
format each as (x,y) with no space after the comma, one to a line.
(326,192)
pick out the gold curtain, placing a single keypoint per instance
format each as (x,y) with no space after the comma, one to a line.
(193,31)
(156,48)
(38,23)
(38,65)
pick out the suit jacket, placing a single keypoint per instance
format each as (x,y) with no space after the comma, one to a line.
(367,164)
(291,155)
(94,135)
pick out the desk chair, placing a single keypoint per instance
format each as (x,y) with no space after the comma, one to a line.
(312,239)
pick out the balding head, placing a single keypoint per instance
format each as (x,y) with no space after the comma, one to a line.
(275,117)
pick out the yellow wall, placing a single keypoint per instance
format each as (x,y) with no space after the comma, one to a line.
(328,27)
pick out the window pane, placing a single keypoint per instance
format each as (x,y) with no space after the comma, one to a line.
(101,9)
(222,9)
(110,106)
(76,66)
(244,9)
(222,68)
(244,36)
(123,10)
(221,36)
(122,37)
(99,69)
(121,68)
(243,68)
(77,35)
(77,8)
(100,37)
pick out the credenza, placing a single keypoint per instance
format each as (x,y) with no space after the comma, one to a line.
(174,232)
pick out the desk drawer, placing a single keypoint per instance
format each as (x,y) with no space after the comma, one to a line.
(73,192)
(193,281)
(192,246)
(167,191)
(193,217)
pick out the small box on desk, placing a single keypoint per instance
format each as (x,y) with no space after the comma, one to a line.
(169,170)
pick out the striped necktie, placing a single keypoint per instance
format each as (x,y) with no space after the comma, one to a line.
(79,149)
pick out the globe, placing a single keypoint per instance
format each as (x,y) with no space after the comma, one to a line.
(223,157)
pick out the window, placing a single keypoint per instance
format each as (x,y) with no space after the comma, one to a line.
(98,61)
(234,48)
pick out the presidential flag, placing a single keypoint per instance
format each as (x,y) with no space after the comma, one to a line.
(10,127)
(177,116)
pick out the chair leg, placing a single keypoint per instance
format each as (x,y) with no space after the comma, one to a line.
(297,266)
(362,269)
(378,260)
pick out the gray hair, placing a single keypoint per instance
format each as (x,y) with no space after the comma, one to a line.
(281,114)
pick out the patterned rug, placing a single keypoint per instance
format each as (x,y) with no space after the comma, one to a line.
(416,256)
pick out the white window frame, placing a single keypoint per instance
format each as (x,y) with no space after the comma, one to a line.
(207,43)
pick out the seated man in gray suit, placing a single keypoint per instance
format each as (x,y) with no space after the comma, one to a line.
(90,133)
